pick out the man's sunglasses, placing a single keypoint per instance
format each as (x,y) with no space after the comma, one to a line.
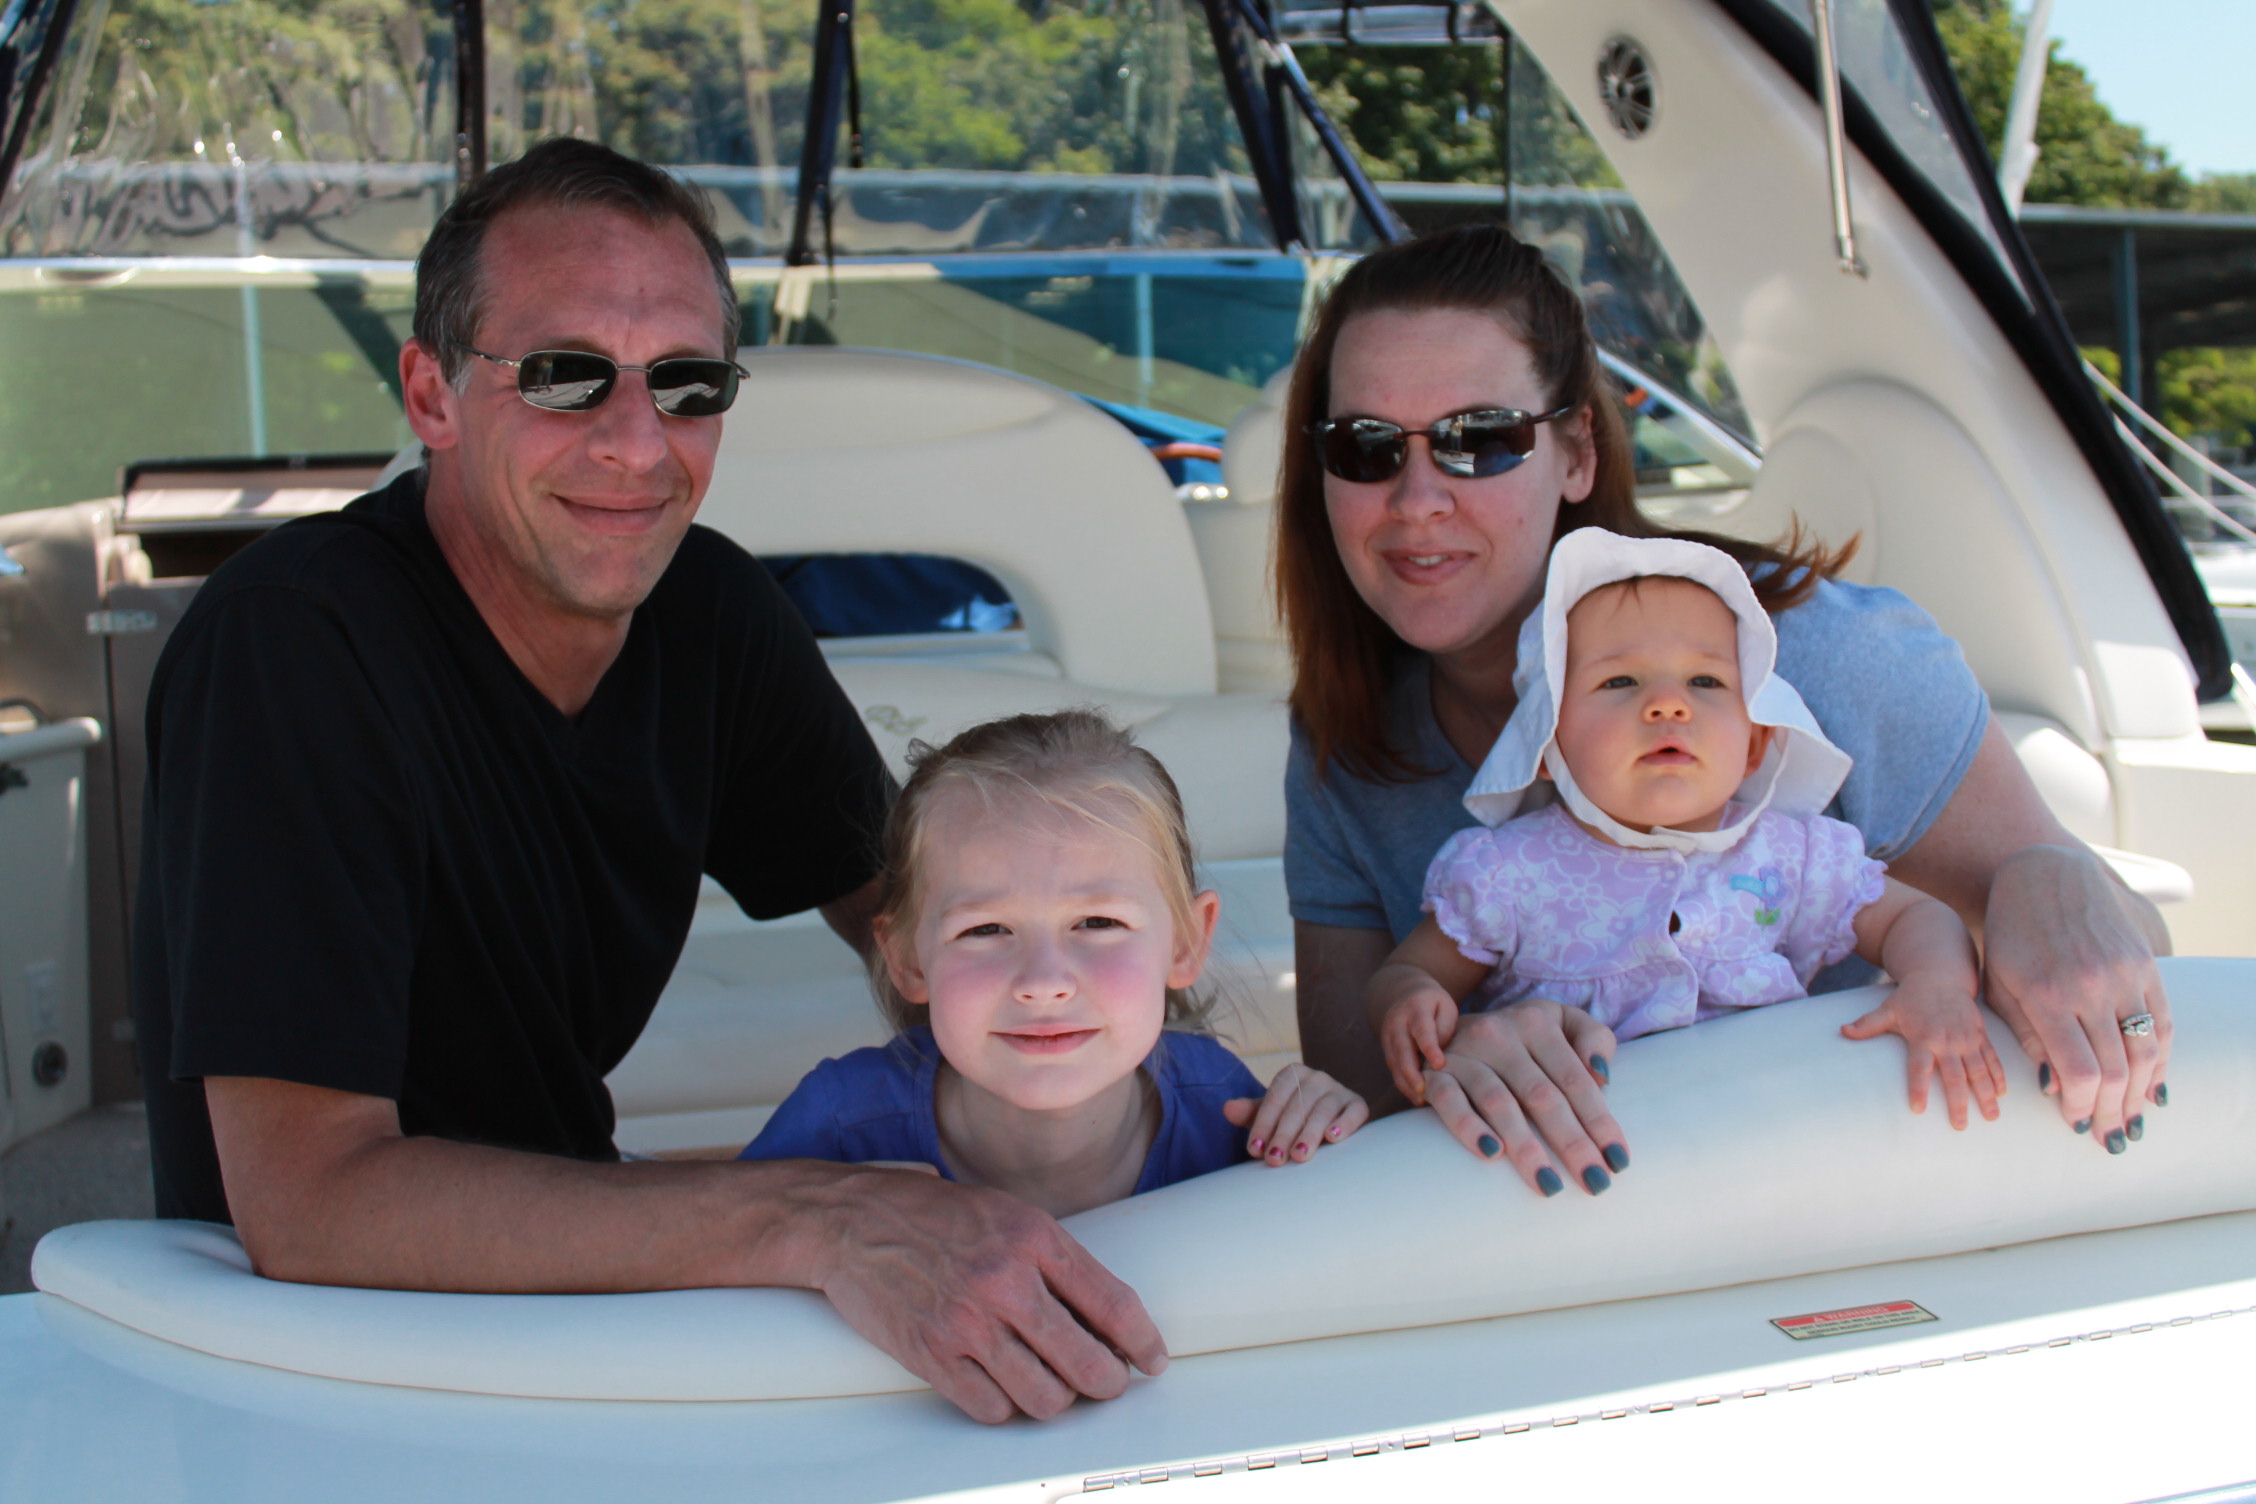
(573,381)
(1471,445)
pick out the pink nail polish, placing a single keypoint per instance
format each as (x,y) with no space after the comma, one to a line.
(1253,1145)
(1301,1150)
(1332,1132)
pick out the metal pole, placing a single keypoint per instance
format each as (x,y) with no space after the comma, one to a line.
(469,92)
(18,131)
(254,351)
(2127,342)
(1143,286)
(1836,139)
(2018,156)
(1504,119)
(826,98)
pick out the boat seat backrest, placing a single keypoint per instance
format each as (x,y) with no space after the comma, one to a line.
(1872,458)
(833,450)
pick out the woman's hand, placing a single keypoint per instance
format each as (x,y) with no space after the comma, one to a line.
(1530,1075)
(1304,1110)
(2065,963)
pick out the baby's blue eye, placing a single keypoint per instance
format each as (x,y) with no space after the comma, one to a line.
(1619,681)
(1706,681)
(981,932)
(1102,922)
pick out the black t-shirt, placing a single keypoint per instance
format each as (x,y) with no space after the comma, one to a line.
(377,859)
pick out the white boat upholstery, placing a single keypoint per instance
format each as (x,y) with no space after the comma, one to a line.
(1764,1145)
(846,451)
(832,450)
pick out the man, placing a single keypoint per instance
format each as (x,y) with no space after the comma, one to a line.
(431,784)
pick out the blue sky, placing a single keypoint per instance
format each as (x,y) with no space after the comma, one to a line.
(2179,69)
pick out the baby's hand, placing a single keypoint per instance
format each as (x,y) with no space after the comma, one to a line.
(1942,1031)
(1415,1034)
(1305,1109)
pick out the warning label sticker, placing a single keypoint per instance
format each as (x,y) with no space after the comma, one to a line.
(1852,1319)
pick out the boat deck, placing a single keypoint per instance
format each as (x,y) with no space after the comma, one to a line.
(94,1167)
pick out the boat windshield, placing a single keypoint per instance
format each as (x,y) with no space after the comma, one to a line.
(219,204)
(1879,66)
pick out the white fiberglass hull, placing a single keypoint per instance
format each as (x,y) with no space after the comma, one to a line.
(2111,1366)
(1393,1317)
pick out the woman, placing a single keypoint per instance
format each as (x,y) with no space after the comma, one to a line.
(1411,548)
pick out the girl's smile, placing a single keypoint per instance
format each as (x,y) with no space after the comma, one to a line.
(1044,947)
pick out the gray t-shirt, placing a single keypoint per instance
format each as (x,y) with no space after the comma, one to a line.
(1888,687)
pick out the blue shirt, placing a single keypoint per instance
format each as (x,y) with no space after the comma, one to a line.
(1888,687)
(876,1103)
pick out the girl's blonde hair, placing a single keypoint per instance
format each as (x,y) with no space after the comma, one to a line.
(1071,762)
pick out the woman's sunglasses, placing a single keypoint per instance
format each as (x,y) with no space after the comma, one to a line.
(573,381)
(1471,445)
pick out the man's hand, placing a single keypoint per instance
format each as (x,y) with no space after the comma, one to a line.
(982,1296)
(977,1292)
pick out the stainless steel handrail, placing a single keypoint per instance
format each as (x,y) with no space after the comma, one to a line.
(1836,140)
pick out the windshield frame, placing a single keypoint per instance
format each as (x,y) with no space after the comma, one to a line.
(2019,301)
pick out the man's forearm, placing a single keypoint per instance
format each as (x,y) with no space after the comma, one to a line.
(359,1205)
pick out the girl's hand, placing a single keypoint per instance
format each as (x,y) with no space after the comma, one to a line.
(1304,1110)
(1415,1035)
(1943,1036)
(1527,1076)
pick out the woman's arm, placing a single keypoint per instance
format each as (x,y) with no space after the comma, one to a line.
(1333,966)
(2068,949)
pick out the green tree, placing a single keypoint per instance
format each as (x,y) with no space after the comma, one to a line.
(2225,193)
(2210,393)
(1429,115)
(2084,154)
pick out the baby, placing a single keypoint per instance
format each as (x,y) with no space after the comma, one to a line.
(1685,872)
(1040,925)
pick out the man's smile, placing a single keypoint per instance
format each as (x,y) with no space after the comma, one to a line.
(622,516)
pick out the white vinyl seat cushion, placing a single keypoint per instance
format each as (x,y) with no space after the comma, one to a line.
(1765,1145)
(851,451)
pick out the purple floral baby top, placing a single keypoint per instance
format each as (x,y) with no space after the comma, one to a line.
(1651,940)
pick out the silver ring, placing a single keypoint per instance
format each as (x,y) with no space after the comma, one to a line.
(2138,1026)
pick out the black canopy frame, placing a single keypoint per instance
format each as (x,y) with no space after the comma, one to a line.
(2019,301)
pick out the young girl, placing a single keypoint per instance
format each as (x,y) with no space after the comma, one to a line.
(1039,926)
(1684,872)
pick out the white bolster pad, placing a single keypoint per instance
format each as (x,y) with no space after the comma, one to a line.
(1764,1145)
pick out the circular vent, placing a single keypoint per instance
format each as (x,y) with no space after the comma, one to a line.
(1627,87)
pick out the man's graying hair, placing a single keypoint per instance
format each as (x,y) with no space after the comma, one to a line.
(565,173)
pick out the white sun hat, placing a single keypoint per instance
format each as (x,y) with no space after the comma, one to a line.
(1798,775)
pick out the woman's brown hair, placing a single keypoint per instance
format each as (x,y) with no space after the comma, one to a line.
(1343,652)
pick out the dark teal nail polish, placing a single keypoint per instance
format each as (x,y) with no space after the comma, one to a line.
(2116,1143)
(1600,1069)
(1547,1181)
(1596,1179)
(2135,1129)
(2083,1125)
(1489,1146)
(2161,1095)
(1617,1158)
(2044,1075)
